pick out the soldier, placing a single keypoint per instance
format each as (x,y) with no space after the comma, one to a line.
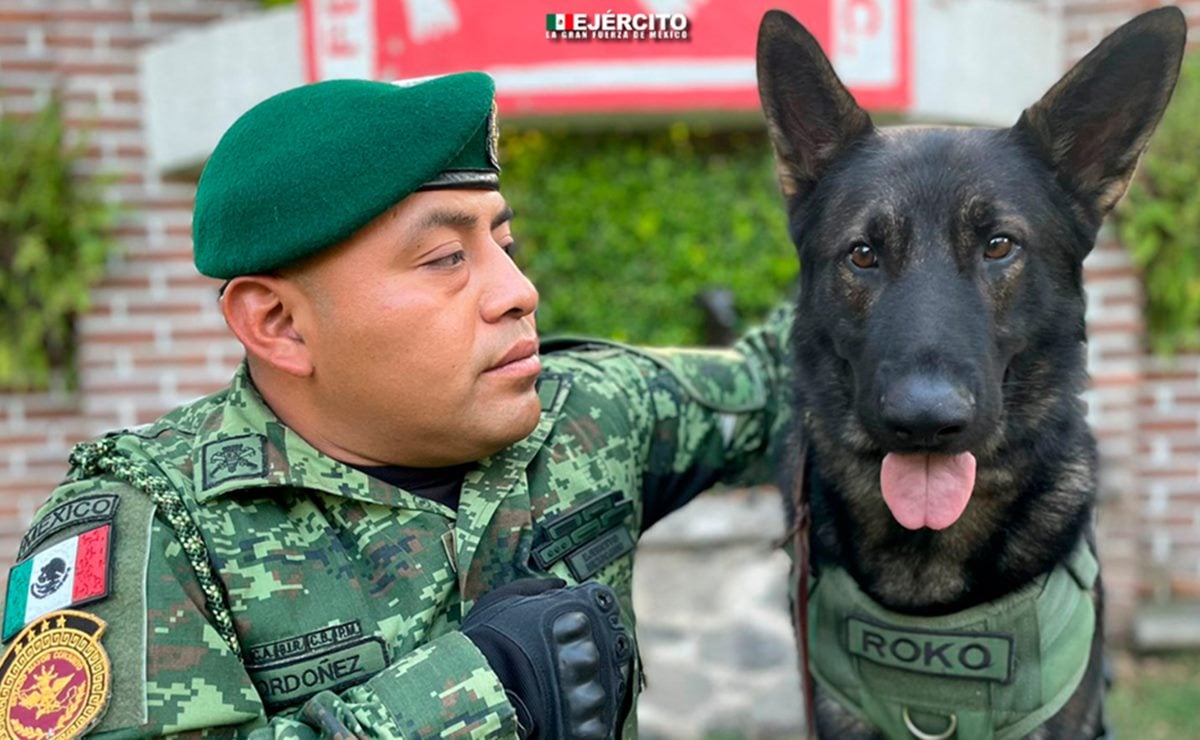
(399,520)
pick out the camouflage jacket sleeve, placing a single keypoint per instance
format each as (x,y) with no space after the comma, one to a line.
(172,673)
(716,416)
(700,416)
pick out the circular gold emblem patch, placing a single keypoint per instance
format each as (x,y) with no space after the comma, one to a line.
(54,678)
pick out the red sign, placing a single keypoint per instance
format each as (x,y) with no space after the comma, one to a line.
(585,56)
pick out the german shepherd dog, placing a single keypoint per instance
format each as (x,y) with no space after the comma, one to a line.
(940,337)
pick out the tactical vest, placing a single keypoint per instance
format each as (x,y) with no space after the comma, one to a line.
(992,672)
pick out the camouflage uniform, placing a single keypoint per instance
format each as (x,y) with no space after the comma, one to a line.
(346,592)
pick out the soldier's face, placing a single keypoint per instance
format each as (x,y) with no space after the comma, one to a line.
(422,333)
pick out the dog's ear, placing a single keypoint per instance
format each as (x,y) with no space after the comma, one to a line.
(810,115)
(1094,123)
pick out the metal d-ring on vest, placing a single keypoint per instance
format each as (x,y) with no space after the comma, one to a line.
(920,734)
(998,670)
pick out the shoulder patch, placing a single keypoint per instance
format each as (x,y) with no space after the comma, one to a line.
(55,679)
(70,573)
(100,507)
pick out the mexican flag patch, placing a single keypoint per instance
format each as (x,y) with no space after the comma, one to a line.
(72,572)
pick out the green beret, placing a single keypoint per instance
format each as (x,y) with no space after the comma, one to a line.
(307,168)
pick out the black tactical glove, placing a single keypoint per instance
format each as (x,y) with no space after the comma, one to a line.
(561,653)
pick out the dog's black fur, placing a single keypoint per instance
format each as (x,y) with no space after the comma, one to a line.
(985,353)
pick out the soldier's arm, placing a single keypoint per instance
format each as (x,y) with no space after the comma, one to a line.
(706,416)
(172,672)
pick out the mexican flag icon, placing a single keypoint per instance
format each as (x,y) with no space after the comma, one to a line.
(560,22)
(72,572)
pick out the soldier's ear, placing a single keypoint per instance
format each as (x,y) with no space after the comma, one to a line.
(270,316)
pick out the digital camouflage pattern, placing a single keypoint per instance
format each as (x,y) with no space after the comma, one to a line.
(345,593)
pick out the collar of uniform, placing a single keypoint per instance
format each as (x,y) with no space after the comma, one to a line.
(486,487)
(245,445)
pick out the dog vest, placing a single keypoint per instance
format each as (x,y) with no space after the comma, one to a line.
(991,672)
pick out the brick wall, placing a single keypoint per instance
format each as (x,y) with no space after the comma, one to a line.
(1146,410)
(154,338)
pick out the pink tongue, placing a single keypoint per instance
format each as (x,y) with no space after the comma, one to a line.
(927,490)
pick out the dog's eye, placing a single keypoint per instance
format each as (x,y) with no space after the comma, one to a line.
(999,247)
(863,256)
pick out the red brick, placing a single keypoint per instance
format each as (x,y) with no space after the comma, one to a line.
(42,416)
(1118,380)
(126,281)
(1171,473)
(95,16)
(1170,425)
(1185,588)
(170,361)
(21,16)
(193,281)
(1174,374)
(102,69)
(1091,274)
(159,256)
(1114,327)
(129,43)
(29,65)
(58,41)
(105,124)
(174,16)
(129,231)
(164,309)
(81,96)
(159,204)
(119,337)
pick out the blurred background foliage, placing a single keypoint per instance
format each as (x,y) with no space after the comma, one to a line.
(1159,220)
(621,231)
(54,242)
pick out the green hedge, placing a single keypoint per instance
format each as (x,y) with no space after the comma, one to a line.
(621,231)
(1159,220)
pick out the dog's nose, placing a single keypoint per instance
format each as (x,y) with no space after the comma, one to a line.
(926,410)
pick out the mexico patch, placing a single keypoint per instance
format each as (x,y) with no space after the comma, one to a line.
(72,572)
(55,678)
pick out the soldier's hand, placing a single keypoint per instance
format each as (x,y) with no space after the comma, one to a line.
(562,654)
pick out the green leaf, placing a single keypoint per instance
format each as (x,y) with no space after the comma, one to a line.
(54,244)
(1159,220)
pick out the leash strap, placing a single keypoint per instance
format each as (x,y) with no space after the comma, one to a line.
(800,535)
